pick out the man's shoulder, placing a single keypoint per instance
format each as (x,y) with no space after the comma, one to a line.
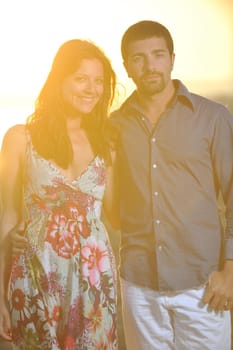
(126,108)
(198,98)
(209,105)
(121,111)
(119,115)
(200,102)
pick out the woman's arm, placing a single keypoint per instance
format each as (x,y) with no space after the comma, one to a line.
(11,172)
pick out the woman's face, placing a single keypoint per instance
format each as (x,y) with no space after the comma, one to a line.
(83,89)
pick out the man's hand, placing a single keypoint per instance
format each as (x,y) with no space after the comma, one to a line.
(18,240)
(219,290)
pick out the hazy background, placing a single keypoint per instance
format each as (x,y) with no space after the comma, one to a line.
(32,30)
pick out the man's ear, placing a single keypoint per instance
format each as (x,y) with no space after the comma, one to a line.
(126,68)
(173,59)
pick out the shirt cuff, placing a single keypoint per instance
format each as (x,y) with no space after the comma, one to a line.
(228,249)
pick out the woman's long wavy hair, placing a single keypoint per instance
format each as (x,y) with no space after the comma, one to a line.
(47,125)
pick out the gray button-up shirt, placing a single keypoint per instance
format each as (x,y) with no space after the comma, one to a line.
(170,177)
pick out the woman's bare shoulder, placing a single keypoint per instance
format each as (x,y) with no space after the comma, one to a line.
(15,136)
(18,131)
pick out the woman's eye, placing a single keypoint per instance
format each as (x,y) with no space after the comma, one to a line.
(99,81)
(80,79)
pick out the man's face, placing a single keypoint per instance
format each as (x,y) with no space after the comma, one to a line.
(149,64)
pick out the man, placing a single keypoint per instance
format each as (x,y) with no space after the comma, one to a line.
(174,157)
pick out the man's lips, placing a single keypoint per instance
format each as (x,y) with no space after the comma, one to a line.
(149,77)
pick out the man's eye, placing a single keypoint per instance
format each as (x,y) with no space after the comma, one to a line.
(136,59)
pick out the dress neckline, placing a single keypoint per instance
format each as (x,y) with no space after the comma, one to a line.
(55,168)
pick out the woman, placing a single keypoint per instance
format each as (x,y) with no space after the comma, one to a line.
(55,173)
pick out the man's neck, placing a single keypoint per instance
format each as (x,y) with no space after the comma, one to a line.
(154,106)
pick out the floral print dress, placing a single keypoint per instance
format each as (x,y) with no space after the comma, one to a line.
(63,288)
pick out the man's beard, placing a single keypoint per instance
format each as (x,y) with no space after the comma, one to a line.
(151,87)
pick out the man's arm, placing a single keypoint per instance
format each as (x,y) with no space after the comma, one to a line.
(219,290)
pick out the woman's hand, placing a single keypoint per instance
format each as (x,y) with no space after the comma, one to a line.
(5,323)
(18,240)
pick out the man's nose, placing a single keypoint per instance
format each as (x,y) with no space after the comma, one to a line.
(150,64)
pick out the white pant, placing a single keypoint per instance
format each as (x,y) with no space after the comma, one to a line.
(172,321)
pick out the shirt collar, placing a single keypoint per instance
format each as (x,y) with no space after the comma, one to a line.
(182,94)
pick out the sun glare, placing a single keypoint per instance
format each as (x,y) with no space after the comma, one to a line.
(32,31)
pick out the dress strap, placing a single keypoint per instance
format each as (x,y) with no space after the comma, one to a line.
(27,135)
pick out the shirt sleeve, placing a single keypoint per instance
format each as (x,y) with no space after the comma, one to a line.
(222,155)
(113,129)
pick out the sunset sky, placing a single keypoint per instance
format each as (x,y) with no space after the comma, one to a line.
(32,30)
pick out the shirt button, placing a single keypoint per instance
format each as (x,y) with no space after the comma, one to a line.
(154,166)
(157,222)
(160,247)
(156,193)
(153,139)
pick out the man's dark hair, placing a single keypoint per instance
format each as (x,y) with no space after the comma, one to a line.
(143,30)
